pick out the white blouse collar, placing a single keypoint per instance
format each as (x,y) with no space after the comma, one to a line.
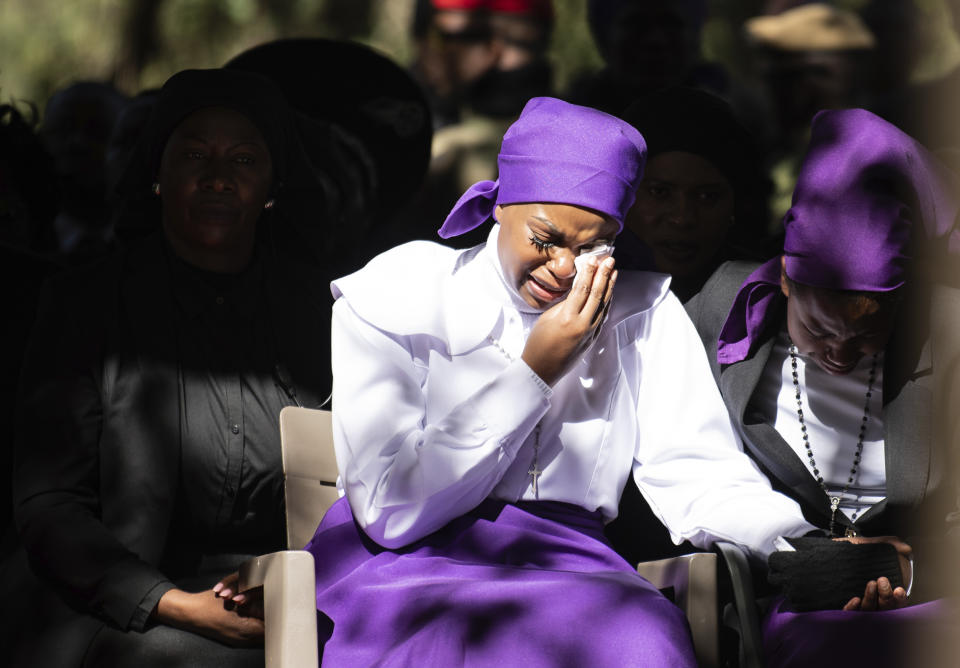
(459,296)
(476,296)
(424,288)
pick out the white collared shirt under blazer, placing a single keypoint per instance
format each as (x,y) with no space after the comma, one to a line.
(430,417)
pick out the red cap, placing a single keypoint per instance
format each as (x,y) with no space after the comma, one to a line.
(460,5)
(537,8)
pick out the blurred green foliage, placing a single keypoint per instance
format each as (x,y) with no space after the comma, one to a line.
(572,50)
(943,48)
(46,44)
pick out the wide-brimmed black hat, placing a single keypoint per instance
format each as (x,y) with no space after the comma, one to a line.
(362,93)
(255,96)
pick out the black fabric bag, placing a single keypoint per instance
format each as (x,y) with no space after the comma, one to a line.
(824,574)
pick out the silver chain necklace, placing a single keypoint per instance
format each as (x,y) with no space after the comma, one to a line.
(535,471)
(834,500)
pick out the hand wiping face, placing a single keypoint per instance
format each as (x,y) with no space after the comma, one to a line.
(600,252)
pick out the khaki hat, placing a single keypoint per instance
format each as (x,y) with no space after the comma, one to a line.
(811,27)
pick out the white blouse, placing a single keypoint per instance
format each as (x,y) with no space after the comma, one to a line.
(832,412)
(431,416)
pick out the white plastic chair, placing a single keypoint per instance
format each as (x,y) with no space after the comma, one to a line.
(287,578)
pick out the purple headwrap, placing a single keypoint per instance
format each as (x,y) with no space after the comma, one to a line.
(558,153)
(864,190)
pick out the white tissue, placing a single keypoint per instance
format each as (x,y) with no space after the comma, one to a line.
(598,252)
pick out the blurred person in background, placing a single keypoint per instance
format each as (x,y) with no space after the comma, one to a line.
(28,203)
(479,62)
(898,32)
(646,45)
(484,57)
(77,124)
(130,124)
(29,195)
(811,57)
(927,110)
(702,198)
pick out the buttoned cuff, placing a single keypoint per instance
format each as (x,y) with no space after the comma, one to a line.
(544,388)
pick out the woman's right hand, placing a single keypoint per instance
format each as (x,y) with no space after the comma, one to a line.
(564,330)
(207,614)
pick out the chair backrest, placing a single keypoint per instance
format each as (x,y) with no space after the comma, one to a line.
(309,469)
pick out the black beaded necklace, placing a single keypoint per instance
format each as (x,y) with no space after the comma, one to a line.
(834,500)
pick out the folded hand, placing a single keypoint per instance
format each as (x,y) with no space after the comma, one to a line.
(209,614)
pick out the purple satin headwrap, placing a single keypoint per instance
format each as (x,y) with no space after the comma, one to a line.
(863,188)
(559,153)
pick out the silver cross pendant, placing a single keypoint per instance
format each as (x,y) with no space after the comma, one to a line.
(535,473)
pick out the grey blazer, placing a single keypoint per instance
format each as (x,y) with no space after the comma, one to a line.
(918,484)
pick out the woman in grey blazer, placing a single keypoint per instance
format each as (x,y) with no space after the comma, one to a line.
(826,359)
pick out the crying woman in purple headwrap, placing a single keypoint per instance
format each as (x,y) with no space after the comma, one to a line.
(489,405)
(830,358)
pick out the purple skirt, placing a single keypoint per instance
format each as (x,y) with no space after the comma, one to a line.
(828,638)
(530,585)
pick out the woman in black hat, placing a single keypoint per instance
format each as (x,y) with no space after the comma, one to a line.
(147,453)
(701,202)
(702,198)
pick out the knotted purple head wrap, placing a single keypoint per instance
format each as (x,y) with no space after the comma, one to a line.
(865,191)
(558,153)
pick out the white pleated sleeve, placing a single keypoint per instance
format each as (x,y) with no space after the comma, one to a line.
(688,463)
